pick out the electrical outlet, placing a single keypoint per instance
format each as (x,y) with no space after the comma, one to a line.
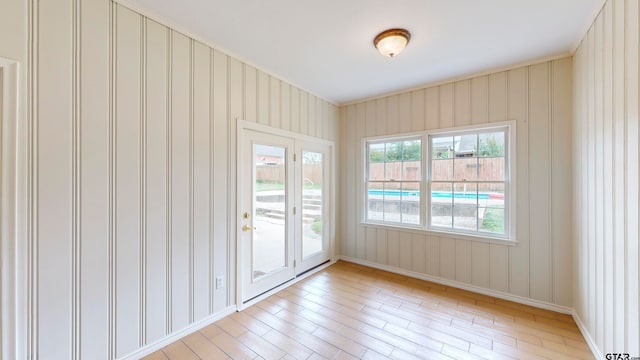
(219,282)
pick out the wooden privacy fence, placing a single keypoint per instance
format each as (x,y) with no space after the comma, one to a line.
(312,173)
(487,169)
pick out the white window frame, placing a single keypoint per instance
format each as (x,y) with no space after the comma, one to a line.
(509,236)
(389,139)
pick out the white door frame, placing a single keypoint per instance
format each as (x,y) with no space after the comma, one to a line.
(242,125)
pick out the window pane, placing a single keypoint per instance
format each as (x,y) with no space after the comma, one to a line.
(465,194)
(392,202)
(411,150)
(442,169)
(442,147)
(491,195)
(465,145)
(393,170)
(466,169)
(491,169)
(410,207)
(375,201)
(411,171)
(393,151)
(465,201)
(464,217)
(441,204)
(376,162)
(376,153)
(491,220)
(491,144)
(376,171)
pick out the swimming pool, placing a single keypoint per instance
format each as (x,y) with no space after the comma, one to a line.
(436,194)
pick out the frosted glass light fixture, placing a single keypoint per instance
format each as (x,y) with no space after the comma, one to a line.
(391,42)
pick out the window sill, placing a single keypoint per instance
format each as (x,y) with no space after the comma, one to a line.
(431,232)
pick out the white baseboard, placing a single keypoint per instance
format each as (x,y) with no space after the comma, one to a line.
(587,337)
(456,284)
(148,349)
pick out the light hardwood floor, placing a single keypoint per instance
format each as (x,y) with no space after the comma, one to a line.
(350,311)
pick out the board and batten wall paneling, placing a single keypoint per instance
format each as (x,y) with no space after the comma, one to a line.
(94,180)
(538,98)
(56,234)
(181,197)
(157,171)
(131,138)
(127,171)
(605,180)
(203,279)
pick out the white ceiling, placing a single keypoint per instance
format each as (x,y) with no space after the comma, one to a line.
(325,46)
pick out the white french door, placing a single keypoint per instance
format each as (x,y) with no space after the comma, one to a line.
(283,196)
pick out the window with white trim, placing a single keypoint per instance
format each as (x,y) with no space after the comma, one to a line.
(393,180)
(454,181)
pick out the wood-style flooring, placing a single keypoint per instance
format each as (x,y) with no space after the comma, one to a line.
(350,311)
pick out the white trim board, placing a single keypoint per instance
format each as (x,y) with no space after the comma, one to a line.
(585,333)
(148,349)
(249,125)
(476,289)
(498,294)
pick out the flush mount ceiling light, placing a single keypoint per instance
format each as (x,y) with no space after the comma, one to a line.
(391,42)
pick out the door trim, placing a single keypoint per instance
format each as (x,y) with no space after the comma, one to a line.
(242,125)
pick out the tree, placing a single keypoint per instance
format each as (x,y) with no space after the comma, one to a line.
(491,147)
(396,151)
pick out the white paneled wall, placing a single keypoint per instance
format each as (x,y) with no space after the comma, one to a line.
(605,184)
(539,98)
(133,181)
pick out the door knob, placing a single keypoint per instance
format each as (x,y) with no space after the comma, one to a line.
(247,228)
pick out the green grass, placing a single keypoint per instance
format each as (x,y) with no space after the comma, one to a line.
(268,186)
(493,220)
(316,226)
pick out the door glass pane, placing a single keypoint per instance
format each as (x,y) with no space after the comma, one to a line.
(269,237)
(312,186)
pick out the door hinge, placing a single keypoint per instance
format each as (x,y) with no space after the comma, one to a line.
(294,157)
(294,210)
(294,263)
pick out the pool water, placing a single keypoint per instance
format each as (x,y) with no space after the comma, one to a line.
(436,194)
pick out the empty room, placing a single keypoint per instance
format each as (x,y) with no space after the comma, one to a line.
(364,179)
